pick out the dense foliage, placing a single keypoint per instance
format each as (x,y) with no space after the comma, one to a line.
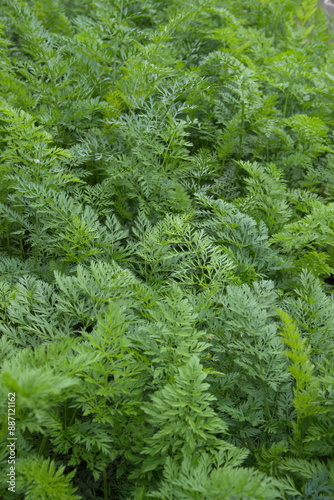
(167,249)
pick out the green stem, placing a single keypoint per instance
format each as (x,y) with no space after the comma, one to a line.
(8,237)
(285,106)
(264,393)
(119,23)
(36,247)
(105,484)
(21,248)
(241,136)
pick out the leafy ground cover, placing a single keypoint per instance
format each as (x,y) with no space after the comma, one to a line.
(167,249)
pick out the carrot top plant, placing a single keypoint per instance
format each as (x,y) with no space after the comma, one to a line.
(166,250)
